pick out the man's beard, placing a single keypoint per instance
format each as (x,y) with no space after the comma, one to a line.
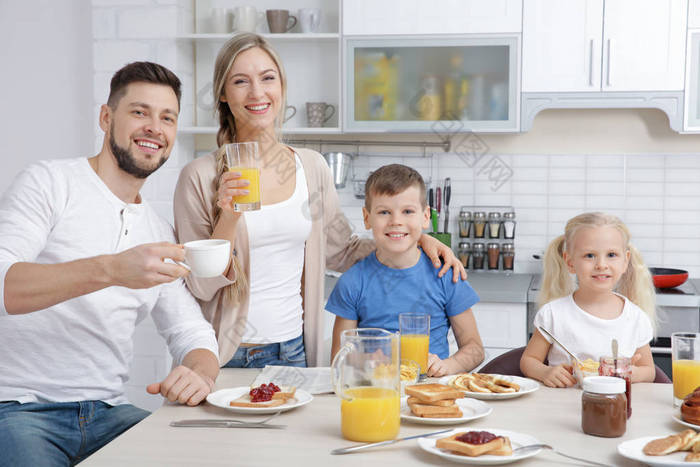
(127,162)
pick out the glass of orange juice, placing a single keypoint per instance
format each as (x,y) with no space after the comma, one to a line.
(415,338)
(685,363)
(244,158)
(365,374)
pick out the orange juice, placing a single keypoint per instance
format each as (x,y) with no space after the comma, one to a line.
(415,347)
(686,377)
(372,415)
(253,176)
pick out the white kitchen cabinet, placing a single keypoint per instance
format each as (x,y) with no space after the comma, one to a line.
(562,45)
(691,123)
(603,45)
(501,325)
(693,14)
(372,17)
(428,83)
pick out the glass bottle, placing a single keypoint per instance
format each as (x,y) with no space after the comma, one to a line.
(429,104)
(479,221)
(494,224)
(478,256)
(508,254)
(493,252)
(452,89)
(509,225)
(465,223)
(463,253)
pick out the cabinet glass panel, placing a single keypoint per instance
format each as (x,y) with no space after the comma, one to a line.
(409,84)
(692,104)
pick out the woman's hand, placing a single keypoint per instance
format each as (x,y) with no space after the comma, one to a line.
(435,250)
(230,184)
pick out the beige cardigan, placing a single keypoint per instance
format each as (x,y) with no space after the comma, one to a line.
(331,245)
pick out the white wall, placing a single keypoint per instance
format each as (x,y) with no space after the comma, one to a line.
(45,83)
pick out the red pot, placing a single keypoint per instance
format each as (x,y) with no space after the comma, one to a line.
(665,278)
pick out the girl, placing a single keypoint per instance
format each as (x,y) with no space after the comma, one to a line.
(267,309)
(595,247)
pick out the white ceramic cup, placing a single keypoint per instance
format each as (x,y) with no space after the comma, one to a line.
(207,258)
(245,19)
(220,21)
(309,19)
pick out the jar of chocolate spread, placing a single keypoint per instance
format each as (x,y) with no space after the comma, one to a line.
(604,406)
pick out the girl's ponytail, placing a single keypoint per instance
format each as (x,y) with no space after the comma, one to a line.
(556,280)
(636,284)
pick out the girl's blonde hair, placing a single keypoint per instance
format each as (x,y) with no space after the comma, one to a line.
(635,283)
(228,124)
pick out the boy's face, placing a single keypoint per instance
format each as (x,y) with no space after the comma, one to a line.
(397,221)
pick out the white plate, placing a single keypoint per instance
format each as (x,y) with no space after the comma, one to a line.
(471,410)
(677,417)
(527,386)
(516,440)
(632,449)
(222,397)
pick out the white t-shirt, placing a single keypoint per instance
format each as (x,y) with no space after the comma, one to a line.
(81,349)
(588,336)
(277,234)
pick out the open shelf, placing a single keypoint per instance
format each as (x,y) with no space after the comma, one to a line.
(281,37)
(211,130)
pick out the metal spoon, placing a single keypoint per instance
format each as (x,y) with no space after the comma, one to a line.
(544,331)
(534,447)
(614,351)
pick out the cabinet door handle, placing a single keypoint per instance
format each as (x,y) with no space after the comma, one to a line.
(608,66)
(590,65)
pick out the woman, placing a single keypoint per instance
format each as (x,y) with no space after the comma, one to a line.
(267,308)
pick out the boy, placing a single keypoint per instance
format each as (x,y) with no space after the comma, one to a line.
(399,278)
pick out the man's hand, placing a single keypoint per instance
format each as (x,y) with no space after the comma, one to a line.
(184,386)
(438,367)
(143,266)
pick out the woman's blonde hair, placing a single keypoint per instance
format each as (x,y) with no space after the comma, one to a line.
(228,124)
(635,283)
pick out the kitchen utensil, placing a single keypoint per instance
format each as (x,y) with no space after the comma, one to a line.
(666,278)
(535,447)
(339,162)
(447,193)
(384,443)
(544,331)
(614,351)
(433,212)
(223,424)
(438,204)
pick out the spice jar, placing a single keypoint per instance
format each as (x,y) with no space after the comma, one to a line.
(493,252)
(622,368)
(494,224)
(478,256)
(479,221)
(463,253)
(508,254)
(508,225)
(604,406)
(465,223)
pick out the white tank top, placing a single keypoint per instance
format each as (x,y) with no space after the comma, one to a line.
(277,234)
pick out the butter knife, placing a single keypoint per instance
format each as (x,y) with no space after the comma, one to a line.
(360,447)
(544,331)
(223,424)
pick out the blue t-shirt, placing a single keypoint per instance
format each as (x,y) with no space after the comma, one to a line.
(374,294)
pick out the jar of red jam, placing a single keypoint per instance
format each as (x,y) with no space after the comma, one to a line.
(622,368)
(604,406)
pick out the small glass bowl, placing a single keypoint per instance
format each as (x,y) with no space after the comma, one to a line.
(589,367)
(409,374)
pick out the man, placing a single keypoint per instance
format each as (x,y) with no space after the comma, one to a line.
(78,269)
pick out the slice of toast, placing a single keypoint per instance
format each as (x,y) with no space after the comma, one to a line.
(496,447)
(433,392)
(244,401)
(285,392)
(424,410)
(443,403)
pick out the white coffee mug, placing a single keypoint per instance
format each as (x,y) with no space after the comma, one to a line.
(220,21)
(207,258)
(245,19)
(309,19)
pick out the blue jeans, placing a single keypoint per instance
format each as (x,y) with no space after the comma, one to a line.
(288,353)
(60,433)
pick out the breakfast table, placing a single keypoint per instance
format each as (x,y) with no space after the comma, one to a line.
(553,416)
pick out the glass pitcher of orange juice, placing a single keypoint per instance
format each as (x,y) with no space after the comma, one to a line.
(365,376)
(244,158)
